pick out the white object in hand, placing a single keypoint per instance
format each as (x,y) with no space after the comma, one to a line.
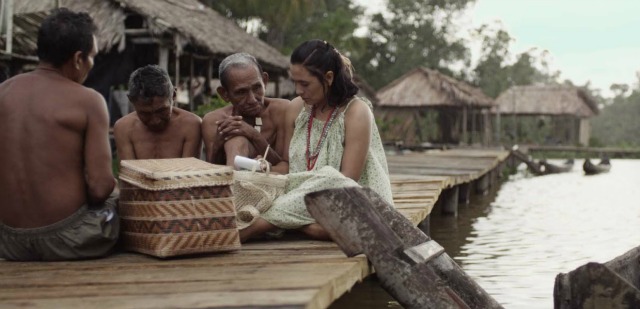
(241,162)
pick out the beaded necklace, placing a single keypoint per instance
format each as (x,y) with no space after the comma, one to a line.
(312,156)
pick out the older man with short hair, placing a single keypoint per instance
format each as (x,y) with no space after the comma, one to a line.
(252,122)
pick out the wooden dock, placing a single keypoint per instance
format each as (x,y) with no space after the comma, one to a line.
(291,273)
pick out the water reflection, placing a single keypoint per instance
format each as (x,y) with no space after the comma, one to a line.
(515,240)
(538,227)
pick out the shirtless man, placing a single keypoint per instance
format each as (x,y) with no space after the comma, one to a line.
(56,185)
(251,123)
(157,129)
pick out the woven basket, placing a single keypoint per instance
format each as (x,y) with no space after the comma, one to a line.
(173,207)
(254,193)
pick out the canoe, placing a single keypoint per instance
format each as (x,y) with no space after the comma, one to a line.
(549,168)
(613,284)
(592,169)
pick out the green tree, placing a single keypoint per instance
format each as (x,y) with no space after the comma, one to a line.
(495,72)
(410,34)
(617,124)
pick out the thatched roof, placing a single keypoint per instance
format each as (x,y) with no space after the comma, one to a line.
(424,87)
(547,100)
(189,21)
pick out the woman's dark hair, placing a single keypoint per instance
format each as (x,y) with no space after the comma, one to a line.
(319,57)
(149,82)
(62,34)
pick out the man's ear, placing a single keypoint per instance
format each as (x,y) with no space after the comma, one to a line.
(175,94)
(222,92)
(328,77)
(77,60)
(265,78)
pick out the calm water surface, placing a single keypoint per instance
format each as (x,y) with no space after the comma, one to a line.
(515,240)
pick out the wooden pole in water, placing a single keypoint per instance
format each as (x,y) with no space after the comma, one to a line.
(411,267)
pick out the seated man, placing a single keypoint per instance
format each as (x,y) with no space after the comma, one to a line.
(251,123)
(56,186)
(157,129)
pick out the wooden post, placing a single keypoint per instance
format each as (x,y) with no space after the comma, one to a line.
(163,58)
(464,125)
(464,193)
(486,128)
(177,69)
(448,201)
(482,184)
(411,267)
(7,19)
(190,84)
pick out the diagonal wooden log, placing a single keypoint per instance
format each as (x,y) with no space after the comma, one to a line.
(410,265)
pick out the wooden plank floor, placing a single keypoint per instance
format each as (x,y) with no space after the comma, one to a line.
(461,165)
(265,274)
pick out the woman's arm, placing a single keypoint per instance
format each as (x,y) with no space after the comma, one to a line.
(357,127)
(287,127)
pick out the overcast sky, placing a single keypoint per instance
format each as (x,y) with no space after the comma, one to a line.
(588,40)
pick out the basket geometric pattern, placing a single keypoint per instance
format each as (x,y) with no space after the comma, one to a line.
(179,226)
(173,207)
(177,209)
(165,245)
(131,193)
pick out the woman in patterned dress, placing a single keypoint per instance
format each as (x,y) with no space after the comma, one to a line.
(333,141)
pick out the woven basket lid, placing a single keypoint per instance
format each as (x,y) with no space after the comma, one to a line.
(163,174)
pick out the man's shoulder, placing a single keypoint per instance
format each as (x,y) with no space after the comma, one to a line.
(277,102)
(125,121)
(188,117)
(277,105)
(217,114)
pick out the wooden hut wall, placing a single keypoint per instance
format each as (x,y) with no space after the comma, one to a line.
(584,130)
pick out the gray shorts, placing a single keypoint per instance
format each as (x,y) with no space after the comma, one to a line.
(90,232)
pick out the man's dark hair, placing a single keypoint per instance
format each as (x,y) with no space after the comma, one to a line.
(149,82)
(319,57)
(237,60)
(62,34)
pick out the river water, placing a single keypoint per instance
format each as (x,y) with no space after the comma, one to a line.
(516,239)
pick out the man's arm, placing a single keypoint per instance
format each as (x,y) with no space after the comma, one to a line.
(124,146)
(213,142)
(193,138)
(97,153)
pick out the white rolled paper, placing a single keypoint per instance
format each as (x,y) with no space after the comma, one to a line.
(241,162)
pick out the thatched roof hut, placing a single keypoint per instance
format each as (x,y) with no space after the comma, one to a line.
(425,87)
(546,100)
(560,112)
(410,106)
(184,22)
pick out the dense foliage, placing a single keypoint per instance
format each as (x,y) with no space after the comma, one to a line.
(618,123)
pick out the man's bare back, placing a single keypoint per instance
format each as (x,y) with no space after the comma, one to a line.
(54,154)
(180,139)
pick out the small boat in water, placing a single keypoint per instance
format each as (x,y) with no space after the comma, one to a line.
(548,168)
(613,284)
(592,169)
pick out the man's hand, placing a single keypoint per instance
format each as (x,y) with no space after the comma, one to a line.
(234,126)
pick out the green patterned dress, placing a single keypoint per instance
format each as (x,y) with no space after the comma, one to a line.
(289,211)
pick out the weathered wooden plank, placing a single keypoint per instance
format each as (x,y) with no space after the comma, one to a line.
(170,273)
(297,298)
